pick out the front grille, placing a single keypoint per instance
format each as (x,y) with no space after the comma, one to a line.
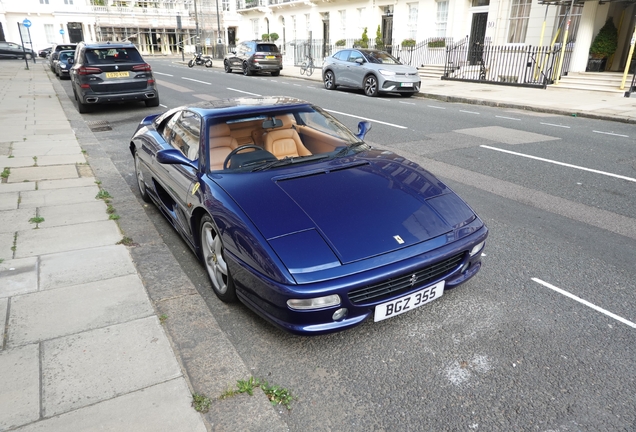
(391,287)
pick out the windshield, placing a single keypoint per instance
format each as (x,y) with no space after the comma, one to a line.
(113,55)
(298,135)
(381,57)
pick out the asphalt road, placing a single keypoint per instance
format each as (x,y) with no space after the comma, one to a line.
(513,349)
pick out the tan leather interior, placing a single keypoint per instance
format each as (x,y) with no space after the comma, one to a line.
(221,144)
(284,141)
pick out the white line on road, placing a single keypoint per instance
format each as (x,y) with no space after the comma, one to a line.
(297,85)
(610,133)
(241,91)
(585,302)
(561,163)
(191,79)
(160,73)
(163,106)
(436,107)
(365,118)
(508,118)
(407,103)
(469,112)
(555,125)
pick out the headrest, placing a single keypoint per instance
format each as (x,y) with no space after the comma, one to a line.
(220,130)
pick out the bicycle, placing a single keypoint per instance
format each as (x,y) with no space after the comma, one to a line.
(307,66)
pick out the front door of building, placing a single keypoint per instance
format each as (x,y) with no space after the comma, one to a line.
(75,33)
(387,32)
(477,38)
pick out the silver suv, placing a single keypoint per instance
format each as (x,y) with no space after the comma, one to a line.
(254,56)
(111,72)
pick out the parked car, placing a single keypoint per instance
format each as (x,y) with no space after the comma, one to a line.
(254,57)
(111,72)
(44,52)
(374,71)
(300,219)
(64,63)
(55,52)
(10,50)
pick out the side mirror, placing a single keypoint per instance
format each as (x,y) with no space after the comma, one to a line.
(175,157)
(363,128)
(360,60)
(70,61)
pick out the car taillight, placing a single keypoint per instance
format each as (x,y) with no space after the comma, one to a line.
(259,56)
(142,68)
(85,70)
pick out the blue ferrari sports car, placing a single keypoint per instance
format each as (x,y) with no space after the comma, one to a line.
(295,216)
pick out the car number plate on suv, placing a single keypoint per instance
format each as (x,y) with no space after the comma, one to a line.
(406,303)
(116,74)
(270,57)
(406,84)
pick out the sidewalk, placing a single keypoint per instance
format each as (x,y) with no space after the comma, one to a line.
(87,340)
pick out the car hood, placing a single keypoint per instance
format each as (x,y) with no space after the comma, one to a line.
(399,69)
(361,207)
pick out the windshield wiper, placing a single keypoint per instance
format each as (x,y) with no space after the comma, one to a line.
(289,161)
(343,151)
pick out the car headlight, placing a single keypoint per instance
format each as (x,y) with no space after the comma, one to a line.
(62,66)
(478,247)
(314,303)
(386,72)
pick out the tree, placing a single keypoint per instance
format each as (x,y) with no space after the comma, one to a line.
(606,41)
(273,37)
(363,42)
(379,42)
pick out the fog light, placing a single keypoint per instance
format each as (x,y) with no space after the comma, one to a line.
(314,303)
(339,314)
(465,267)
(477,248)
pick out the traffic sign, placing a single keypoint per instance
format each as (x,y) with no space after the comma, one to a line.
(26,23)
(61,31)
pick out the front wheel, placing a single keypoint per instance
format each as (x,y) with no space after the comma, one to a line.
(191,63)
(227,67)
(141,184)
(208,63)
(246,69)
(371,85)
(214,261)
(310,69)
(303,68)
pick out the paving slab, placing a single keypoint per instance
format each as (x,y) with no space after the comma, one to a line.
(4,305)
(77,158)
(68,137)
(83,266)
(71,214)
(16,162)
(67,183)
(4,148)
(53,197)
(66,238)
(8,201)
(16,220)
(97,365)
(64,311)
(163,407)
(42,173)
(6,243)
(16,187)
(18,276)
(19,386)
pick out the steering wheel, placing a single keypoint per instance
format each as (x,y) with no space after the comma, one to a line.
(240,149)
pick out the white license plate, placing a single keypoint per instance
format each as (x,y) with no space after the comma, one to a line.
(406,85)
(406,303)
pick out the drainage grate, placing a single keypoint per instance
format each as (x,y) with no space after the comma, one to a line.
(99,126)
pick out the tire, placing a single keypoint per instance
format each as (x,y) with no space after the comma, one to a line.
(227,67)
(329,80)
(310,70)
(371,85)
(154,102)
(208,63)
(303,68)
(246,69)
(276,73)
(191,63)
(141,185)
(214,262)
(82,108)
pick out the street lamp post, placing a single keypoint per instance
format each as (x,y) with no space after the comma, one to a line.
(196,24)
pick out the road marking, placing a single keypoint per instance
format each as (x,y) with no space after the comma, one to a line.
(297,85)
(436,107)
(585,302)
(561,163)
(241,91)
(555,125)
(407,103)
(610,133)
(365,118)
(508,118)
(191,79)
(469,112)
(163,106)
(160,73)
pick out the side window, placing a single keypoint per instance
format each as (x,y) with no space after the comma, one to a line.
(354,55)
(342,55)
(186,132)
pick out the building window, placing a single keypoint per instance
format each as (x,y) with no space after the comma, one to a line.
(225,5)
(68,2)
(49,31)
(343,23)
(255,28)
(293,18)
(361,19)
(519,15)
(442,18)
(44,1)
(575,19)
(412,26)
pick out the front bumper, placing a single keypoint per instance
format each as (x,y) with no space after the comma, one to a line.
(399,87)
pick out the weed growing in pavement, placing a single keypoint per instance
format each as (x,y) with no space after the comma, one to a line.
(126,241)
(201,402)
(276,395)
(113,217)
(36,220)
(1,260)
(97,182)
(163,318)
(103,194)
(15,242)
(110,209)
(11,157)
(5,173)
(35,161)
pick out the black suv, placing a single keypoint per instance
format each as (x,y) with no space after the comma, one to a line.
(254,56)
(111,72)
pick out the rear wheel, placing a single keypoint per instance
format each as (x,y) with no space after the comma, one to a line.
(81,107)
(371,85)
(141,184)
(214,261)
(227,67)
(276,73)
(154,102)
(330,80)
(303,68)
(208,63)
(246,69)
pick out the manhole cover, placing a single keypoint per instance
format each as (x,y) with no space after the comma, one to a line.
(99,125)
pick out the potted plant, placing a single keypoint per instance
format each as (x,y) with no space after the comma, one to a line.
(603,46)
(265,37)
(340,42)
(379,43)
(436,43)
(273,37)
(408,43)
(363,42)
